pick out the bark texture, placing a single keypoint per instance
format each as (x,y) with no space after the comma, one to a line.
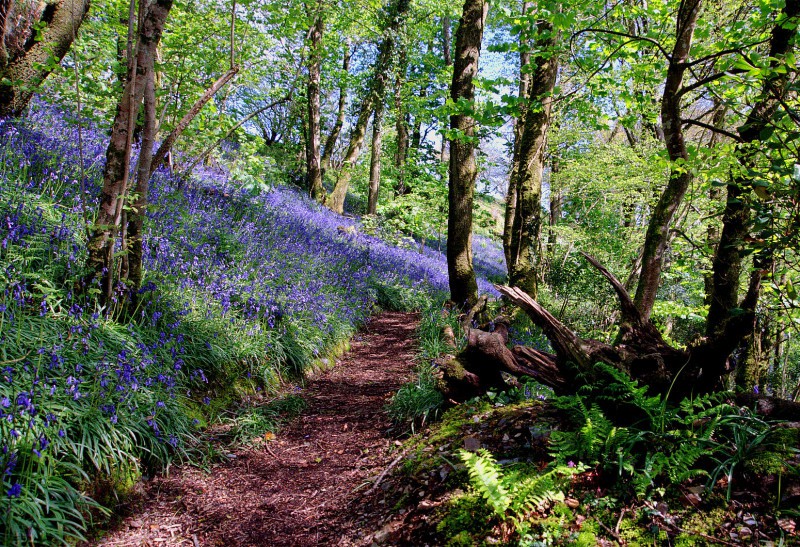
(463,169)
(657,236)
(525,245)
(29,68)
(5,22)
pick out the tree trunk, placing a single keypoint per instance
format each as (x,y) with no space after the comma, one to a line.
(25,72)
(511,194)
(463,169)
(714,196)
(5,30)
(416,132)
(100,262)
(335,201)
(447,40)
(755,359)
(313,164)
(375,160)
(401,125)
(341,112)
(728,319)
(375,94)
(137,215)
(556,205)
(525,245)
(640,352)
(657,236)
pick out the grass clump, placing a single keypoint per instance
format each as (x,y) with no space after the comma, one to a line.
(259,422)
(421,400)
(417,402)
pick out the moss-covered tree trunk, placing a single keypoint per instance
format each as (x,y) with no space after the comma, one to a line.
(525,244)
(24,71)
(519,122)
(341,113)
(657,236)
(375,160)
(335,201)
(375,94)
(729,319)
(463,169)
(401,123)
(100,261)
(447,55)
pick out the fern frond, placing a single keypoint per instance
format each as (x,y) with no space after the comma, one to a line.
(533,492)
(485,477)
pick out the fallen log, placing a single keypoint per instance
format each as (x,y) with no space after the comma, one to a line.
(639,351)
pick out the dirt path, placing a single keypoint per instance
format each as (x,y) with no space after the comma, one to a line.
(305,489)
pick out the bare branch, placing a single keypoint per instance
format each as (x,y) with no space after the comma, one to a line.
(233,129)
(698,123)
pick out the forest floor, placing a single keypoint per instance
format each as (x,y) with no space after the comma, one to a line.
(307,486)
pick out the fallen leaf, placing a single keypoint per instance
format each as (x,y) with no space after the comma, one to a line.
(472,444)
(572,503)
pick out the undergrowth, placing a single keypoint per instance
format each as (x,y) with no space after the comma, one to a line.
(258,423)
(621,459)
(651,444)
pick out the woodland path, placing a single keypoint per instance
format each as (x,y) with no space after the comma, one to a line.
(308,487)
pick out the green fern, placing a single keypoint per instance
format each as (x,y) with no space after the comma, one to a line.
(665,444)
(485,476)
(533,492)
(510,498)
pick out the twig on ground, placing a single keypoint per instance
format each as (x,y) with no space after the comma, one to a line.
(268,449)
(386,471)
(611,532)
(619,521)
